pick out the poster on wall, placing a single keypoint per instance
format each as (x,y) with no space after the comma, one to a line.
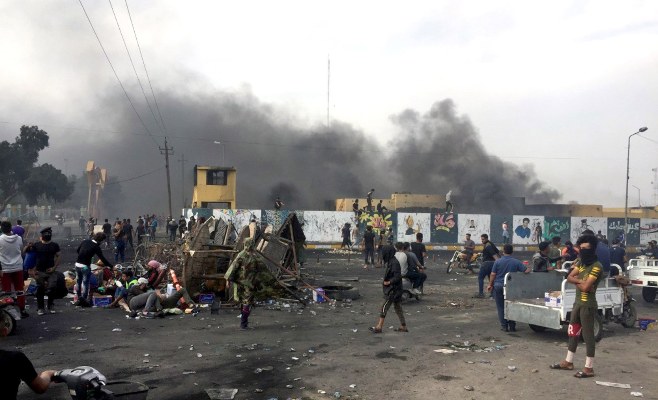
(527,229)
(325,226)
(379,222)
(444,228)
(557,227)
(475,224)
(648,229)
(409,224)
(616,230)
(594,224)
(496,234)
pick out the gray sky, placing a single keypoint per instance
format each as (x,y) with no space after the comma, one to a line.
(552,86)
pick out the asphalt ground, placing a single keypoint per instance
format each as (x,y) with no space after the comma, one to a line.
(325,350)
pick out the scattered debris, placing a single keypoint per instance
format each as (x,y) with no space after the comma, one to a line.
(116,330)
(637,394)
(221,394)
(511,367)
(189,372)
(469,388)
(614,384)
(445,351)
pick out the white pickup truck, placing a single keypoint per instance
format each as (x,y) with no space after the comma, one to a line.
(643,272)
(525,301)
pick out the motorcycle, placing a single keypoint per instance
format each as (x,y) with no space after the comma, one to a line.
(59,219)
(87,383)
(407,293)
(9,311)
(458,262)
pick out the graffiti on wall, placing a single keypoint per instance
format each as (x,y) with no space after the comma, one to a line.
(648,229)
(409,224)
(527,229)
(497,221)
(379,222)
(325,226)
(240,218)
(557,227)
(475,224)
(616,230)
(595,224)
(444,228)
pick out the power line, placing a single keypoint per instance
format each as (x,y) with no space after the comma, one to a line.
(115,73)
(148,103)
(135,177)
(148,78)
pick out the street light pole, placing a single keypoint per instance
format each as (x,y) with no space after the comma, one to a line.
(628,159)
(223,159)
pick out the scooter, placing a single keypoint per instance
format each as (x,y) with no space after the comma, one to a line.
(406,290)
(87,383)
(9,311)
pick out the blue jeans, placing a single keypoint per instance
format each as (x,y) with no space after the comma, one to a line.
(370,255)
(120,251)
(485,271)
(82,275)
(500,305)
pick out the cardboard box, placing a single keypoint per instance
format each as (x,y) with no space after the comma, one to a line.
(553,299)
(102,300)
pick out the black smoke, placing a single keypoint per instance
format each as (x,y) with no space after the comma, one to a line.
(274,154)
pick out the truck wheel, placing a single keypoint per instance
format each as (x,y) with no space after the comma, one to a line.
(649,294)
(629,316)
(537,328)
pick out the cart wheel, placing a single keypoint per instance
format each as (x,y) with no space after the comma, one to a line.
(537,328)
(629,316)
(451,266)
(7,320)
(649,294)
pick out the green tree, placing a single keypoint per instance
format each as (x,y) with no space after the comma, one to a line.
(19,173)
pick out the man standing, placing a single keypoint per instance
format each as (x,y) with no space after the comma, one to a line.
(172,226)
(418,248)
(128,232)
(86,251)
(369,246)
(502,266)
(586,275)
(120,241)
(355,208)
(182,224)
(47,255)
(540,260)
(11,263)
(154,226)
(617,256)
(82,224)
(369,199)
(278,203)
(505,232)
(107,230)
(490,254)
(251,280)
(346,234)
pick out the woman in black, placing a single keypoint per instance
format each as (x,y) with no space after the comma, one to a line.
(392,286)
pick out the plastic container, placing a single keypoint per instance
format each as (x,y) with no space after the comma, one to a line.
(206,298)
(126,390)
(318,295)
(647,323)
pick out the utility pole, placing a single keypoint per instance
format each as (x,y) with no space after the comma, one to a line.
(328,88)
(182,161)
(167,151)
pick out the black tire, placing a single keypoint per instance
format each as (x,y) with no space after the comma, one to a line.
(8,321)
(341,292)
(537,328)
(649,294)
(451,266)
(629,316)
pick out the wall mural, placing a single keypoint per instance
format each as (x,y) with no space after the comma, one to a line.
(475,224)
(557,226)
(411,223)
(648,229)
(524,229)
(440,227)
(444,228)
(595,224)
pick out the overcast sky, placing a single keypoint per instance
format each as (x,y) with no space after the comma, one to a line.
(557,85)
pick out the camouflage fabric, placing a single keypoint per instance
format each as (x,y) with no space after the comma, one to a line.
(252,280)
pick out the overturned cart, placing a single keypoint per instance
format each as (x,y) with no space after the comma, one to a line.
(212,246)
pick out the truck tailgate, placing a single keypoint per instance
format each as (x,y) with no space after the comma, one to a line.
(534,314)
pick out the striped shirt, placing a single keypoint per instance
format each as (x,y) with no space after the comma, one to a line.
(585,272)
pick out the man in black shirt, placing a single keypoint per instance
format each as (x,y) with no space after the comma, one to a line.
(86,251)
(418,248)
(128,232)
(16,367)
(490,254)
(47,255)
(369,246)
(107,230)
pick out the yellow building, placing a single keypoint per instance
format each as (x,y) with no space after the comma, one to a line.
(214,187)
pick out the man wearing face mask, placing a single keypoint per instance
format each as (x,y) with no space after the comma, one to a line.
(585,275)
(47,255)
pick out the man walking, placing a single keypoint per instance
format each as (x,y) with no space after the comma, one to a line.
(369,246)
(490,254)
(48,256)
(501,267)
(11,263)
(586,276)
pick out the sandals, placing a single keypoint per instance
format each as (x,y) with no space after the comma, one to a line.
(566,366)
(584,374)
(402,329)
(374,329)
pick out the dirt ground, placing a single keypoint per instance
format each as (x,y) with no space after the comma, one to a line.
(326,350)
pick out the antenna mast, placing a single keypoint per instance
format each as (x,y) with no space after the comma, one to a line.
(328,87)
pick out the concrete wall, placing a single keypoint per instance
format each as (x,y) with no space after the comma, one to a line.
(323,227)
